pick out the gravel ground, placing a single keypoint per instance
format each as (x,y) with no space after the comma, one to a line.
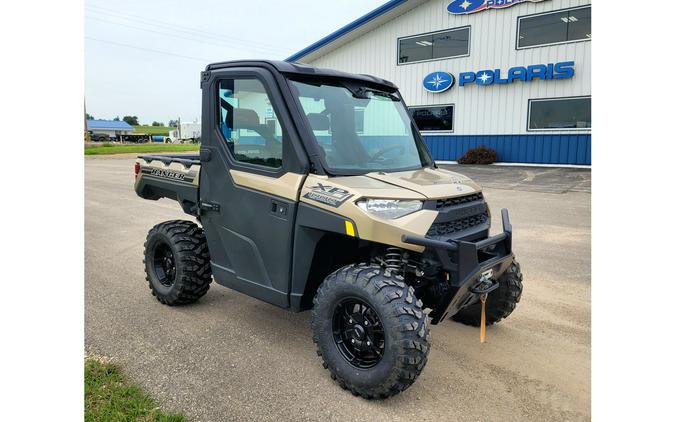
(230,357)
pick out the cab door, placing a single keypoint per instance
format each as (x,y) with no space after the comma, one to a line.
(253,167)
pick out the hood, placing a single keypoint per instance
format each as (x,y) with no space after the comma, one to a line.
(431,183)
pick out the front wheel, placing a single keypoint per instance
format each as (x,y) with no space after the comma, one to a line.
(370,331)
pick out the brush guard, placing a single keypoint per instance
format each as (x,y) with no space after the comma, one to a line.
(473,267)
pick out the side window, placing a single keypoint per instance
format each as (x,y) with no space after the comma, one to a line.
(249,123)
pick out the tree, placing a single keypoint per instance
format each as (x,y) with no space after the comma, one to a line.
(157,124)
(132,120)
(116,119)
(90,117)
(173,123)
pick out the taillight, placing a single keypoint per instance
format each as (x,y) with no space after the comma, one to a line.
(137,169)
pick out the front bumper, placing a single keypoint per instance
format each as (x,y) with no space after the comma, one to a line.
(473,267)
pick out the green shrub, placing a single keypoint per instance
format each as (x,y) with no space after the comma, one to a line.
(479,155)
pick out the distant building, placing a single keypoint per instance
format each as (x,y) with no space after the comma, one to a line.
(111,128)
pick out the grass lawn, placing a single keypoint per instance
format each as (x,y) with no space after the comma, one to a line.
(152,130)
(109,397)
(107,148)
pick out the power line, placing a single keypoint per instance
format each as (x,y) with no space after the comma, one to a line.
(178,28)
(218,44)
(196,33)
(172,35)
(170,25)
(148,49)
(243,44)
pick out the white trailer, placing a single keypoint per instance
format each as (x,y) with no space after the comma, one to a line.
(185,132)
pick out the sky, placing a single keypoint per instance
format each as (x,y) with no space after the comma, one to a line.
(143,57)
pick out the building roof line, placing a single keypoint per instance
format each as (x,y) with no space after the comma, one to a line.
(390,5)
(108,124)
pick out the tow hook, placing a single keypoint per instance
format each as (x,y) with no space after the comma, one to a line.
(485,284)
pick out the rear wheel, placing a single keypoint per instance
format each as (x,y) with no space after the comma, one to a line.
(177,262)
(500,303)
(370,330)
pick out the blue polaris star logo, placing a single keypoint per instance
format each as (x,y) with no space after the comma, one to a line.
(464,7)
(438,82)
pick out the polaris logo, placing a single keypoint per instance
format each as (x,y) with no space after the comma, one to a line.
(464,7)
(438,82)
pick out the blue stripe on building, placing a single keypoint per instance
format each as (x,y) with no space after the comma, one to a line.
(390,5)
(529,148)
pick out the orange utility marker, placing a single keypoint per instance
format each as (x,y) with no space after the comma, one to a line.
(483,298)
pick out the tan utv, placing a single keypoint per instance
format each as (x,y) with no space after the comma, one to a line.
(314,190)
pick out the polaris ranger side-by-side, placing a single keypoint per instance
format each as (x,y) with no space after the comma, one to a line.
(315,190)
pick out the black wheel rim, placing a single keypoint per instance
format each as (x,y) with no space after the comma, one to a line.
(358,333)
(164,264)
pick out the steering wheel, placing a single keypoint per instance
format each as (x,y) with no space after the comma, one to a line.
(378,155)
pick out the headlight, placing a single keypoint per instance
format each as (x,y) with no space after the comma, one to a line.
(389,208)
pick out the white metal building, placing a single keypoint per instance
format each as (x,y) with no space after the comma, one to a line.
(514,75)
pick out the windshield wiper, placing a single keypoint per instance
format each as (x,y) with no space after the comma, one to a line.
(360,91)
(386,94)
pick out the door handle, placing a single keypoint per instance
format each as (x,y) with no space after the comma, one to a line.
(208,206)
(279,209)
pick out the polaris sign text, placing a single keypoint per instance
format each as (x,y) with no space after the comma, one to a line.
(437,82)
(464,7)
(562,70)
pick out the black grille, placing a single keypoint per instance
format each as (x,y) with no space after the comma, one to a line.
(459,214)
(454,226)
(451,202)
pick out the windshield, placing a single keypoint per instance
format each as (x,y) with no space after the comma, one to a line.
(360,130)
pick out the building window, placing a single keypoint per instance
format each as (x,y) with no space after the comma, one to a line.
(554,28)
(434,46)
(434,118)
(560,114)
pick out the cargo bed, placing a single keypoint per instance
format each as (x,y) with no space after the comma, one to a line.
(173,176)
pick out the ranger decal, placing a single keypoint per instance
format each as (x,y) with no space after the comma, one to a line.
(168,174)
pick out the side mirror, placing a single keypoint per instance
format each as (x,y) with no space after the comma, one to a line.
(318,121)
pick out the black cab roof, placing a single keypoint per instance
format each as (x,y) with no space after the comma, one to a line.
(301,69)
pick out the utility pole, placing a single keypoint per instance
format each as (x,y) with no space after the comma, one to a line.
(179,134)
(87,138)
